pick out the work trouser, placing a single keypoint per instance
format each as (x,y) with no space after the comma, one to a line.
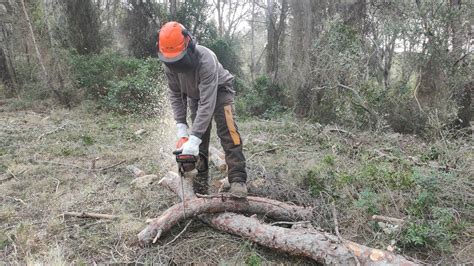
(228,134)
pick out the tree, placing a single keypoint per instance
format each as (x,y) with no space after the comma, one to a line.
(140,24)
(276,26)
(83,26)
(7,72)
(230,13)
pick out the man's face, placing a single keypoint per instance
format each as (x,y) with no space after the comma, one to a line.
(185,64)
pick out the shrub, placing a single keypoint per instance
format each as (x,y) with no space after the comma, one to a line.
(262,99)
(121,84)
(225,51)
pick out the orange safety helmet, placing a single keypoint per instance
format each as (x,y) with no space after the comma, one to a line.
(172,42)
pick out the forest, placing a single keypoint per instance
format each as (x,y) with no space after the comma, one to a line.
(354,117)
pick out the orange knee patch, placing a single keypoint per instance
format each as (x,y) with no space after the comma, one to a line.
(229,119)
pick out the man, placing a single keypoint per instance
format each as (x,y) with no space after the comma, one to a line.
(197,80)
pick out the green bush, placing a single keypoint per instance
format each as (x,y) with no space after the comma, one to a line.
(225,51)
(262,99)
(122,84)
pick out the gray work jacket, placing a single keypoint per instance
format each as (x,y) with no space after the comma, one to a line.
(200,84)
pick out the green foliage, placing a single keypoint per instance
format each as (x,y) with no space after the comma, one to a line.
(122,84)
(430,224)
(367,201)
(87,140)
(193,15)
(253,260)
(140,25)
(262,99)
(84,27)
(433,219)
(225,51)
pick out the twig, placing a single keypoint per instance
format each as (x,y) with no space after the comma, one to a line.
(53,131)
(361,101)
(12,174)
(182,231)
(336,223)
(158,234)
(93,162)
(415,92)
(82,168)
(57,185)
(91,215)
(336,229)
(290,223)
(63,164)
(260,152)
(388,219)
(112,166)
(16,199)
(6,179)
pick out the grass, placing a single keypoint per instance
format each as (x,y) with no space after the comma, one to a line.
(386,174)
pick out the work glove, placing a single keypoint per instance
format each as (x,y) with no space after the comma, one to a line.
(182,135)
(191,147)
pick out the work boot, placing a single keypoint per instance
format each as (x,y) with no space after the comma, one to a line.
(238,190)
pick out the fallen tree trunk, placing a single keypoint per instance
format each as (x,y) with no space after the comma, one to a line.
(218,159)
(319,246)
(310,243)
(193,206)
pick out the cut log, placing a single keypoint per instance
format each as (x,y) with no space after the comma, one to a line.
(322,247)
(137,172)
(218,159)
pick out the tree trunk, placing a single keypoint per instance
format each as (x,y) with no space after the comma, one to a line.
(220,19)
(7,72)
(33,38)
(173,8)
(463,92)
(319,246)
(193,206)
(252,36)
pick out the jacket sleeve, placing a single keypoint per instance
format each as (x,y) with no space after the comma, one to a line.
(209,80)
(178,101)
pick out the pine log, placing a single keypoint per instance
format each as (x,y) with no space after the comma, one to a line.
(218,159)
(193,206)
(322,247)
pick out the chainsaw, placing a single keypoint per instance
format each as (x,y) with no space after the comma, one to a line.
(187,169)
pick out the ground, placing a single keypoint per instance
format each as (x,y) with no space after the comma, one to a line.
(46,155)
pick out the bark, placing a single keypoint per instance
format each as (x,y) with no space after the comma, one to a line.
(7,71)
(319,246)
(275,32)
(192,207)
(252,37)
(218,159)
(173,8)
(38,54)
